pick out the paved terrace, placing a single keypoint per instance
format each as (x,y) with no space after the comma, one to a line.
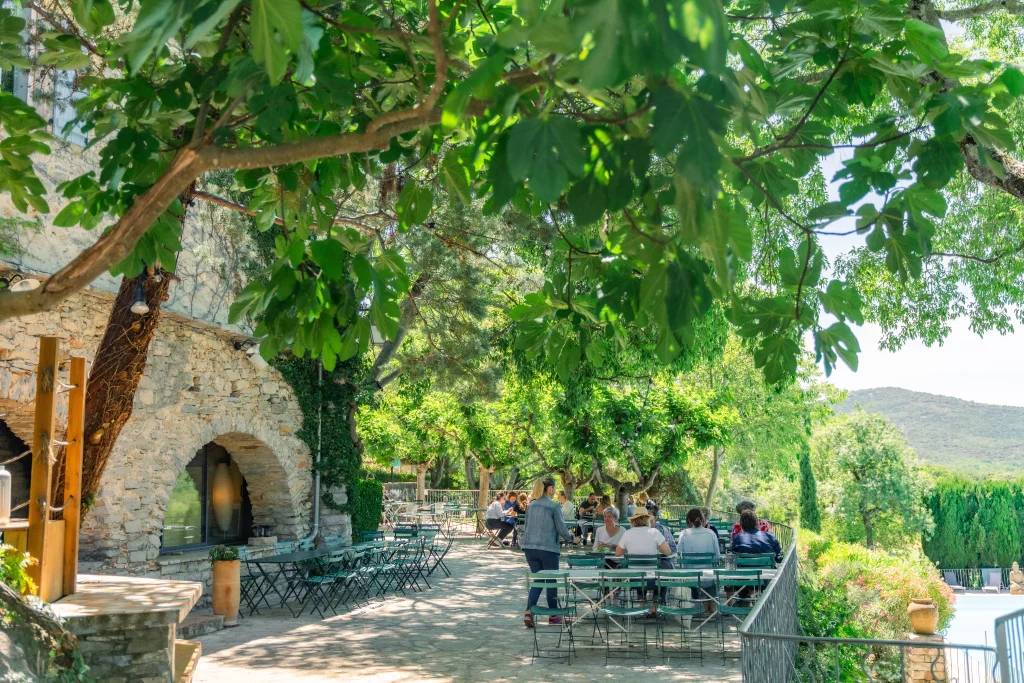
(466,628)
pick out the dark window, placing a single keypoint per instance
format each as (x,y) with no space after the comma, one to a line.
(209,504)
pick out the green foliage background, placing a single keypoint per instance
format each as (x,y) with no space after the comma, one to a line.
(977,524)
(365,499)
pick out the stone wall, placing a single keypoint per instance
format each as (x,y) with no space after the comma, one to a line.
(196,389)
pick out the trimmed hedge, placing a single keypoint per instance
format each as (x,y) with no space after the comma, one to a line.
(365,503)
(977,524)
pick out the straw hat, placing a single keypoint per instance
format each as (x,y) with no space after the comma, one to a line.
(639,513)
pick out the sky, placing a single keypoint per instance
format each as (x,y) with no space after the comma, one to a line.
(987,369)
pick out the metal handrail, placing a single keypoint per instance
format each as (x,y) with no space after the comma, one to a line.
(1010,646)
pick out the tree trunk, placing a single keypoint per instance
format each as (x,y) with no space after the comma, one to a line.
(869,534)
(438,471)
(568,483)
(118,366)
(467,466)
(483,498)
(513,479)
(716,465)
(620,501)
(421,482)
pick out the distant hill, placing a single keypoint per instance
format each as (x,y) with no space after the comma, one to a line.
(975,439)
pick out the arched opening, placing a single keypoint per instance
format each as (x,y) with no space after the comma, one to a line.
(11,446)
(209,504)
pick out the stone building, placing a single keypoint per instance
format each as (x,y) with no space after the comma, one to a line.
(210,453)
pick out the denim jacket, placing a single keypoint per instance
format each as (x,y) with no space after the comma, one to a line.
(544,525)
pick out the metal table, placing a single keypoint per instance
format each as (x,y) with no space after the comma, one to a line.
(288,567)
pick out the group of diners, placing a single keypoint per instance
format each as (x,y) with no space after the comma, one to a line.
(546,527)
(503,513)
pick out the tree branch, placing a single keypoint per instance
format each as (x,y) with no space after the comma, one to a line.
(241,208)
(1009,6)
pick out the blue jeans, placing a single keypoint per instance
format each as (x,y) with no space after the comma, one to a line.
(538,561)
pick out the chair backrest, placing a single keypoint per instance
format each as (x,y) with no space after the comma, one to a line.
(633,561)
(406,530)
(950,578)
(305,544)
(766,560)
(678,578)
(371,535)
(282,547)
(585,561)
(548,581)
(618,578)
(993,577)
(738,578)
(697,560)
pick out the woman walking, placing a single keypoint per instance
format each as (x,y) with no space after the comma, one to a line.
(544,526)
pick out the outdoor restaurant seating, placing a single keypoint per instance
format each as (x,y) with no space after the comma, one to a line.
(300,576)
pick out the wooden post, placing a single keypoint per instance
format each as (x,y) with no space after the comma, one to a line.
(73,472)
(42,453)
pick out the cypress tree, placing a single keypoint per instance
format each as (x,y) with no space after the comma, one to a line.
(810,515)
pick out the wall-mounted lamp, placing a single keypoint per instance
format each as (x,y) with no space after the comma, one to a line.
(252,351)
(140,307)
(376,338)
(19,283)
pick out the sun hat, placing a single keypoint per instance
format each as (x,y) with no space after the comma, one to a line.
(639,513)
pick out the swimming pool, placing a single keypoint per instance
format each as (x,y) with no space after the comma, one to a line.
(976,613)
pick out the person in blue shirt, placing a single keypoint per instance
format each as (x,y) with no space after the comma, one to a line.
(751,539)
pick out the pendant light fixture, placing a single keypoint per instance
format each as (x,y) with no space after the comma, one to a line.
(140,307)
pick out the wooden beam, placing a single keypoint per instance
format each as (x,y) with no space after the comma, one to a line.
(73,472)
(42,454)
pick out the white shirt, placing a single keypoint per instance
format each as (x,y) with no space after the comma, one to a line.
(568,510)
(495,511)
(601,536)
(698,540)
(641,541)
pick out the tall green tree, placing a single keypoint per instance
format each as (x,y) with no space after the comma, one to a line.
(810,514)
(876,489)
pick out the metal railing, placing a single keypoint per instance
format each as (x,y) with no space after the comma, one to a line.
(973,578)
(1010,647)
(775,651)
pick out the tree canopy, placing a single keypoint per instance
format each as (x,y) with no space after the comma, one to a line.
(667,155)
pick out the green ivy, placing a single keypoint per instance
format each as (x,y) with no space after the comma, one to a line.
(340,459)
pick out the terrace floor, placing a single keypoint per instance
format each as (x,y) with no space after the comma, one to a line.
(466,628)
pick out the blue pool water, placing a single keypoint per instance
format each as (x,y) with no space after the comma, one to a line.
(974,621)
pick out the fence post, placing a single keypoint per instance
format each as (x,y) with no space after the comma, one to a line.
(42,465)
(73,472)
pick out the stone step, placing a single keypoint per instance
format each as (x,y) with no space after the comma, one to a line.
(186,657)
(197,625)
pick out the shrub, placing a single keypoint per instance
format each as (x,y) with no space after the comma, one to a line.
(14,566)
(366,500)
(880,586)
(223,553)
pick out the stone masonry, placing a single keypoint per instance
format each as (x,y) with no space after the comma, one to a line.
(196,389)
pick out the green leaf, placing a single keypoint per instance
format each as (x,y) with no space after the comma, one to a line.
(207,18)
(276,26)
(455,176)
(925,40)
(547,151)
(1013,79)
(414,204)
(330,256)
(838,341)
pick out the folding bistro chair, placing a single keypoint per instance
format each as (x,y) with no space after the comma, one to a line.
(686,598)
(626,602)
(371,536)
(564,613)
(737,590)
(319,585)
(755,560)
(252,588)
(697,561)
(587,592)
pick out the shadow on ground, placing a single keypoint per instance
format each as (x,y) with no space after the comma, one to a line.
(466,628)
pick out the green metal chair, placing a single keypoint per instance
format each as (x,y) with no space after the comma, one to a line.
(641,561)
(697,561)
(319,585)
(252,584)
(625,604)
(755,560)
(737,591)
(686,597)
(371,536)
(565,613)
(332,542)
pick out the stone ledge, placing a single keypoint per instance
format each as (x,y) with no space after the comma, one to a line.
(105,601)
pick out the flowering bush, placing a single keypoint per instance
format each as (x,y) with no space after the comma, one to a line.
(14,566)
(878,585)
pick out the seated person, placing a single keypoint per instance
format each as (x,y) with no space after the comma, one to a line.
(494,518)
(752,539)
(697,538)
(748,505)
(606,501)
(568,511)
(607,537)
(588,508)
(514,508)
(706,512)
(642,539)
(656,523)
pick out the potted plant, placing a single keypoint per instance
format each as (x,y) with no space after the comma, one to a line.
(226,580)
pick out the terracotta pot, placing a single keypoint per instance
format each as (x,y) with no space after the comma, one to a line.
(924,616)
(226,591)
